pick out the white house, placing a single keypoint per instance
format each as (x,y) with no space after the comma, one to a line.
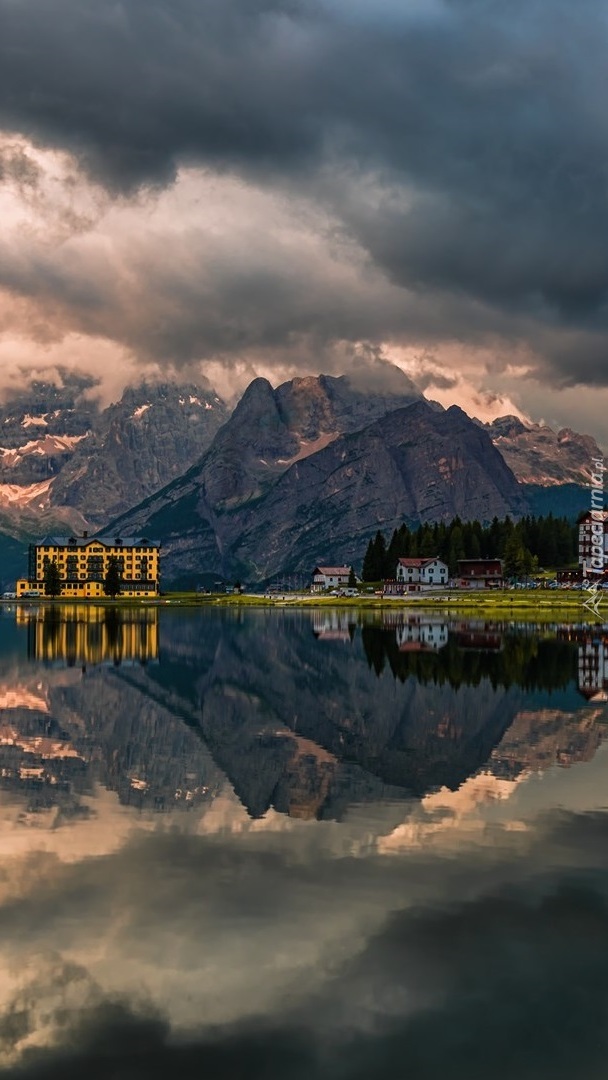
(413,574)
(329,577)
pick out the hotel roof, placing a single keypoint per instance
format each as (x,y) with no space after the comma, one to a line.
(106,541)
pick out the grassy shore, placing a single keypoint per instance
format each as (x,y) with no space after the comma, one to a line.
(509,604)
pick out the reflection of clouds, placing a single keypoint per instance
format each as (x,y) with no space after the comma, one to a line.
(41,1006)
(240,946)
(459,814)
(272,930)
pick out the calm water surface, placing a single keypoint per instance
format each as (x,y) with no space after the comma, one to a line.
(301,846)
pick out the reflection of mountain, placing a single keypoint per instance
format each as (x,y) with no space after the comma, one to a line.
(542,737)
(79,634)
(64,729)
(307,725)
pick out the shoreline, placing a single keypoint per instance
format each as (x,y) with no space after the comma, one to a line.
(509,603)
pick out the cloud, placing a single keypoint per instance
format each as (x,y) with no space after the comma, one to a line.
(266,183)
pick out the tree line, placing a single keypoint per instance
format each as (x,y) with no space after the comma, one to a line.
(524,546)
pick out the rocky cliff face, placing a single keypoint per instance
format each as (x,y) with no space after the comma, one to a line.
(257,504)
(40,429)
(64,462)
(415,464)
(271,429)
(152,435)
(539,455)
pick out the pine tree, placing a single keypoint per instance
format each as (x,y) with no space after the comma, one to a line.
(112,582)
(514,557)
(52,579)
(352,578)
(374,563)
(367,572)
(455,550)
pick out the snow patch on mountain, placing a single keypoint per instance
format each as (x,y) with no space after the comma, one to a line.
(34,421)
(45,447)
(25,494)
(308,447)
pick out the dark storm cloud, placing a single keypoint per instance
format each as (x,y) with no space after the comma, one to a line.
(462,143)
(508,981)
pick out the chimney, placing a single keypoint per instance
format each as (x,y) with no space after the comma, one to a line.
(85,535)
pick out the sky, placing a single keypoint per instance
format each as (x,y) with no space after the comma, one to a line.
(280,187)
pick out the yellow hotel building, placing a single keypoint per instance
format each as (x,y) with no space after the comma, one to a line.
(83,562)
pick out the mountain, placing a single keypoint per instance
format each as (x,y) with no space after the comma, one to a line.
(538,455)
(281,487)
(145,440)
(65,463)
(270,430)
(307,471)
(41,425)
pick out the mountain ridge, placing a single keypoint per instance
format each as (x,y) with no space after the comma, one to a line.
(411,462)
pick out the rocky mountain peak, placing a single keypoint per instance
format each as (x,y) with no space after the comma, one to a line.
(270,429)
(506,426)
(152,435)
(539,455)
(327,404)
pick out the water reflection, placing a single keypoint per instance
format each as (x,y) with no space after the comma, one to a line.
(79,634)
(292,846)
(308,724)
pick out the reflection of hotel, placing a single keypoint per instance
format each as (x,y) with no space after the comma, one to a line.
(80,635)
(593,667)
(592,659)
(421,635)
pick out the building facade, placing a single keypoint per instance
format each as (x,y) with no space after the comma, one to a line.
(422,572)
(83,563)
(329,577)
(592,533)
(480,574)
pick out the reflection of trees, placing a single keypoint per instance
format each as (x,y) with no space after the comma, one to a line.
(522,661)
(51,625)
(113,625)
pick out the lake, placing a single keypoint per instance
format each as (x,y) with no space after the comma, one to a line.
(301,845)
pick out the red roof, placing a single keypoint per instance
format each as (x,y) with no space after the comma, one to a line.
(418,563)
